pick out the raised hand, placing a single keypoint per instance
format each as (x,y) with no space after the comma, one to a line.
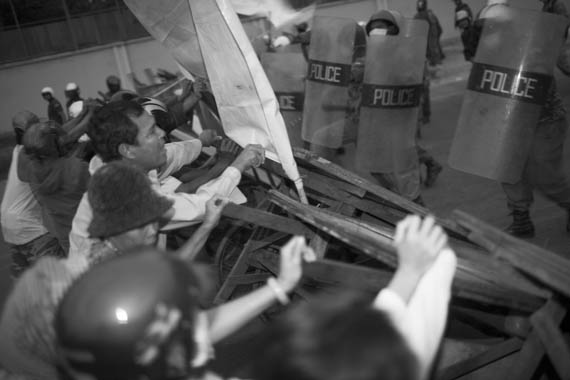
(292,255)
(419,242)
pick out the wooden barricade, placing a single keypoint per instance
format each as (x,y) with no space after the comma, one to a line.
(507,289)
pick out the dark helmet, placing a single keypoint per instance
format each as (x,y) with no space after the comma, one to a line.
(421,5)
(123,318)
(386,16)
(163,117)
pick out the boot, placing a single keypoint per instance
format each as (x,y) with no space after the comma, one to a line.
(433,170)
(522,226)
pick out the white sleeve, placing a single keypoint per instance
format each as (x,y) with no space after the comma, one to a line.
(428,309)
(192,207)
(179,154)
(422,321)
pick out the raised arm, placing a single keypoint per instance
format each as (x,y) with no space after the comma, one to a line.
(230,317)
(192,247)
(418,243)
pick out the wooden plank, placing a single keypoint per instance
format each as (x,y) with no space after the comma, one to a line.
(510,325)
(240,267)
(248,279)
(494,354)
(533,351)
(331,273)
(333,182)
(347,176)
(265,219)
(553,341)
(364,237)
(348,230)
(545,266)
(268,240)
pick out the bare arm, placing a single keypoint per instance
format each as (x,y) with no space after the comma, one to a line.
(230,317)
(194,245)
(418,243)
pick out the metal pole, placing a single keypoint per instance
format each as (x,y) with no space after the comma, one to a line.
(71,30)
(26,49)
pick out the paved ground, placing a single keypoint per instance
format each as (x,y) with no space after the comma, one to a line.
(454,190)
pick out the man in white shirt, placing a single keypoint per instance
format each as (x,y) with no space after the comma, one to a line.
(124,131)
(21,218)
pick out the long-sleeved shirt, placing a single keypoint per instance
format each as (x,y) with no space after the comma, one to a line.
(422,320)
(187,207)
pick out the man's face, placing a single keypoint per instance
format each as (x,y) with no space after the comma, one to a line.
(47,96)
(145,235)
(149,152)
(71,94)
(114,87)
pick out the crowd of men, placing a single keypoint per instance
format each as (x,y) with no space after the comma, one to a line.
(91,188)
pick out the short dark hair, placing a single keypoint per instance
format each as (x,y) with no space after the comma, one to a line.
(112,126)
(340,337)
(41,140)
(21,122)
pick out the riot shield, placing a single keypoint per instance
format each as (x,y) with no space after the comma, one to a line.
(286,73)
(326,90)
(507,88)
(390,100)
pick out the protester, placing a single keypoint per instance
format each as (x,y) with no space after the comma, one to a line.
(119,224)
(124,131)
(168,334)
(22,222)
(72,95)
(55,110)
(57,177)
(346,337)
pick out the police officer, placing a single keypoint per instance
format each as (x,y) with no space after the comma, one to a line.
(72,95)
(55,110)
(464,22)
(386,23)
(543,170)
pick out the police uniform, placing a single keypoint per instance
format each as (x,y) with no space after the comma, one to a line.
(544,167)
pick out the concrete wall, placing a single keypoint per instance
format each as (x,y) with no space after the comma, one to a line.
(20,83)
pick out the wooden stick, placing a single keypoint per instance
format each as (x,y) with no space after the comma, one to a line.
(495,353)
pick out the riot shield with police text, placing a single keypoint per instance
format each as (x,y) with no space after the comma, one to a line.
(286,73)
(507,88)
(391,94)
(328,75)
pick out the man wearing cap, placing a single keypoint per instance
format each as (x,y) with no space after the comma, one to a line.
(73,96)
(125,131)
(55,110)
(22,222)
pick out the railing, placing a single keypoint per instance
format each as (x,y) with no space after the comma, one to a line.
(73,32)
